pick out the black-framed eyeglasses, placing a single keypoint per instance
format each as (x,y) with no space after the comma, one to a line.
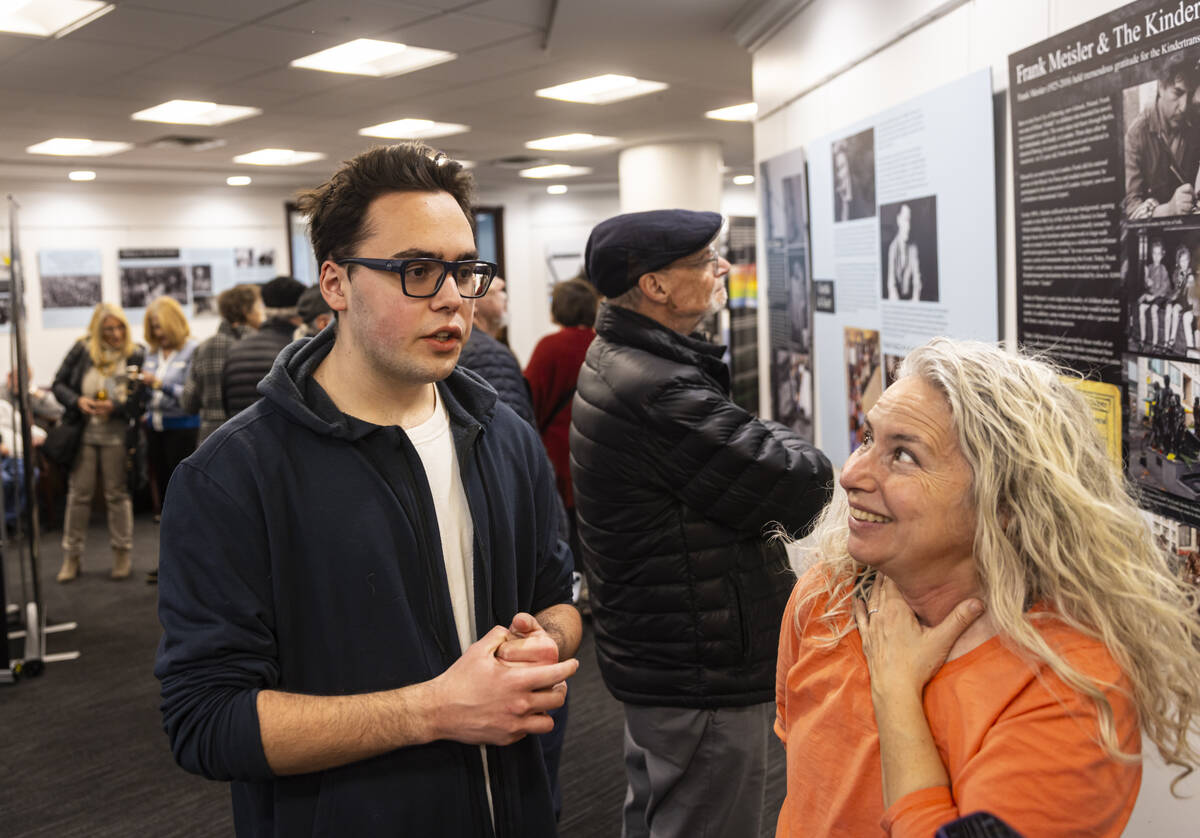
(710,257)
(423,278)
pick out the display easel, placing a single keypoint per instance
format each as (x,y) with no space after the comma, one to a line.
(26,537)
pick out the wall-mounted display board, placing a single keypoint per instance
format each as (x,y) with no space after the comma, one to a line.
(1106,161)
(70,283)
(786,266)
(903,208)
(191,275)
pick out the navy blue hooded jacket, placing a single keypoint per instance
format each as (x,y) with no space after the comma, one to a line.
(289,562)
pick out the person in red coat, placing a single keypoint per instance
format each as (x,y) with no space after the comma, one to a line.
(552,372)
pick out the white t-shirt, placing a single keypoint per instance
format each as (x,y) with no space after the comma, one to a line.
(435,445)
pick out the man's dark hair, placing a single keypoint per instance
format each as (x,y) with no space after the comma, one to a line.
(1182,68)
(337,209)
(236,303)
(573,303)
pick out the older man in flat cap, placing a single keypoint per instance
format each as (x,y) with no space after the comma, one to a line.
(678,491)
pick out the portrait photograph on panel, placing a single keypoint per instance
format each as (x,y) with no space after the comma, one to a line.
(909,250)
(798,302)
(1180,544)
(854,176)
(1162,292)
(1161,144)
(864,378)
(891,368)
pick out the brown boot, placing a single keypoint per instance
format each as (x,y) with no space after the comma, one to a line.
(122,564)
(70,567)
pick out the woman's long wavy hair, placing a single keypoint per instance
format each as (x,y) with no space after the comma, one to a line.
(104,357)
(1055,525)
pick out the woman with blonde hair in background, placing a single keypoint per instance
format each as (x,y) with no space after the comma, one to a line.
(170,431)
(93,386)
(986,624)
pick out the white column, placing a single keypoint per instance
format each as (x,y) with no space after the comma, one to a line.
(681,175)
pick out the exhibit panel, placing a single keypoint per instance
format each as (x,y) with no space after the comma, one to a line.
(1106,164)
(899,202)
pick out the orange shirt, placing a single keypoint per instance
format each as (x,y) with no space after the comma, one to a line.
(1018,747)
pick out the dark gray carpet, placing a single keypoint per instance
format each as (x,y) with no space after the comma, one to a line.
(82,751)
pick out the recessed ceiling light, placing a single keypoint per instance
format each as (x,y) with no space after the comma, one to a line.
(278,157)
(600,90)
(81,175)
(190,112)
(557,189)
(413,129)
(368,57)
(238,180)
(570,142)
(78,147)
(46,18)
(735,113)
(555,170)
(743,180)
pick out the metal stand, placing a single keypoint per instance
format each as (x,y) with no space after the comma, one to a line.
(27,533)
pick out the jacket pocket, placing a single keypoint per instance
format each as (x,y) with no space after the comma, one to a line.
(743,620)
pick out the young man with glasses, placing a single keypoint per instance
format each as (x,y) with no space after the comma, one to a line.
(677,492)
(364,598)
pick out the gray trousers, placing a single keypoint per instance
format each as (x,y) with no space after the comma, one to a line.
(81,487)
(695,773)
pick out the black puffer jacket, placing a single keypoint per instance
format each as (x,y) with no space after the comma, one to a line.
(677,489)
(249,361)
(496,364)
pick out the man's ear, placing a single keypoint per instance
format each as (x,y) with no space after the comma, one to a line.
(331,283)
(654,287)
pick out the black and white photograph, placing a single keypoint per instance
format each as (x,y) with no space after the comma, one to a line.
(798,301)
(891,368)
(1164,449)
(70,291)
(243,257)
(854,176)
(791,376)
(1162,140)
(202,281)
(140,286)
(795,209)
(864,379)
(1162,291)
(909,250)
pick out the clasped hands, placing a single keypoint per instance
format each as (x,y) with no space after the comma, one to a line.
(504,686)
(94,407)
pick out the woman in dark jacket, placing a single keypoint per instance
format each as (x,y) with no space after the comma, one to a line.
(95,388)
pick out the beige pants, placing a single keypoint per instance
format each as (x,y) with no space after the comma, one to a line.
(111,459)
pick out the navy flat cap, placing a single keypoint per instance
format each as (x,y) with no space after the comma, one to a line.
(624,247)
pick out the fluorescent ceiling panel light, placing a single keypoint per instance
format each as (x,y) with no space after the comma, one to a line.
(743,180)
(467,164)
(570,142)
(557,189)
(600,90)
(555,170)
(735,113)
(413,129)
(368,57)
(238,180)
(191,112)
(78,147)
(46,18)
(81,175)
(278,157)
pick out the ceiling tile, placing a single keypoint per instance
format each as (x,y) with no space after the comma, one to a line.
(238,11)
(531,13)
(166,30)
(268,44)
(65,66)
(348,19)
(457,33)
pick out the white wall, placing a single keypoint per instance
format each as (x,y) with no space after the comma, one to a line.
(826,38)
(107,217)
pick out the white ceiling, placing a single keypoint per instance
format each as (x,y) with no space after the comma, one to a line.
(237,52)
